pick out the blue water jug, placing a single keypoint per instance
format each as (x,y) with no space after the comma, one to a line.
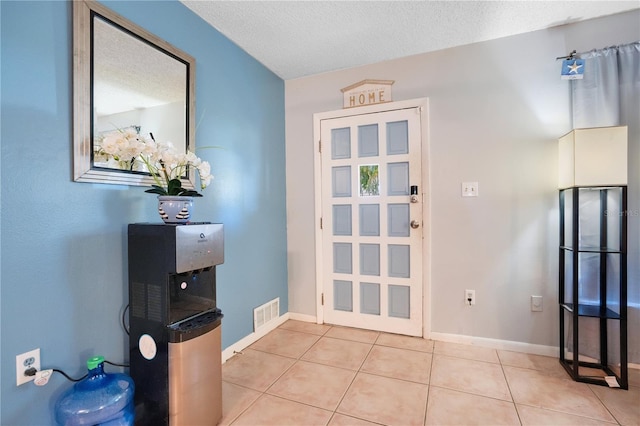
(98,399)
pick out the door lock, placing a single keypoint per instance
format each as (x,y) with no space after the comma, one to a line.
(414,193)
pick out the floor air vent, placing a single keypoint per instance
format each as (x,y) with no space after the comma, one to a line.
(266,313)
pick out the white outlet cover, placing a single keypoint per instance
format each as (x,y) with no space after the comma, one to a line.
(470,189)
(470,294)
(22,365)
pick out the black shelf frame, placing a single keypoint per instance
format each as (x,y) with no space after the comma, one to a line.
(601,311)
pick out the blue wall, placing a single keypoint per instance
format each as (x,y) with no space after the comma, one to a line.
(64,249)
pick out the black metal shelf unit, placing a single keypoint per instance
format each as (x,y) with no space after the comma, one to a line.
(593,278)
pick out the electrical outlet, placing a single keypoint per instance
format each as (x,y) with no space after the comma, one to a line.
(470,297)
(24,362)
(470,189)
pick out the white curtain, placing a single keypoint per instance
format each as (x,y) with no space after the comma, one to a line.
(609,95)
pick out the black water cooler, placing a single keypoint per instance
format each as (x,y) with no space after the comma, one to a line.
(175,324)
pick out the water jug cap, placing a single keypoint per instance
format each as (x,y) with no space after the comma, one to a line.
(94,362)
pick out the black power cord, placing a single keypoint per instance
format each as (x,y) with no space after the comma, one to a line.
(32,371)
(68,377)
(124,325)
(116,365)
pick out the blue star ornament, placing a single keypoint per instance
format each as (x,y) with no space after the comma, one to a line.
(572,69)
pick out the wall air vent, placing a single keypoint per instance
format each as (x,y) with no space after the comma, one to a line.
(266,313)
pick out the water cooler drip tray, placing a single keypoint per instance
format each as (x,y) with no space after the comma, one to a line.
(195,326)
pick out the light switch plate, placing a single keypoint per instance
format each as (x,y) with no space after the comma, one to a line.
(536,303)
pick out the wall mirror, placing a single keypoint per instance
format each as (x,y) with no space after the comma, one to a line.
(126,78)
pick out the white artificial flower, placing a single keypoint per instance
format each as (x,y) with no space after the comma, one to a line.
(109,145)
(192,159)
(170,158)
(204,170)
(126,148)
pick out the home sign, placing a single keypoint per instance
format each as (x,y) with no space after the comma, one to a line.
(367,92)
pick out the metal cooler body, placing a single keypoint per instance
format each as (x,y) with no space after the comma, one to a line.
(174,322)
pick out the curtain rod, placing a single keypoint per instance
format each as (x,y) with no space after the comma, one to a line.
(569,56)
(573,54)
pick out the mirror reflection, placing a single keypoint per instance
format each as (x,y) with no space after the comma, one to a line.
(126,79)
(135,86)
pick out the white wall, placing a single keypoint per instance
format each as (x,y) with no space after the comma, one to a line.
(167,122)
(121,120)
(496,111)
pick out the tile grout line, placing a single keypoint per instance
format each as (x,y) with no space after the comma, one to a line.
(555,410)
(603,403)
(335,410)
(429,385)
(426,404)
(263,393)
(246,408)
(506,380)
(295,359)
(359,370)
(353,380)
(299,359)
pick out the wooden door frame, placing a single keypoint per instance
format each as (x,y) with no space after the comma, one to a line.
(423,105)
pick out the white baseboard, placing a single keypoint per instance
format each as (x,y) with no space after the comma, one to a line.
(469,340)
(253,337)
(303,317)
(506,345)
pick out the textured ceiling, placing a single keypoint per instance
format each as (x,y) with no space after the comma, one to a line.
(301,38)
(129,74)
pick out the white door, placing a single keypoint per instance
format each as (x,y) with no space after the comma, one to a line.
(372,230)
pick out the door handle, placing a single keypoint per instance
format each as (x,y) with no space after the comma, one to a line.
(415,224)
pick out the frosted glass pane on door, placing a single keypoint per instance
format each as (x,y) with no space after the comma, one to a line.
(368,140)
(370,259)
(342,219)
(399,301)
(370,298)
(398,218)
(369,220)
(341,181)
(340,143)
(398,178)
(397,138)
(342,258)
(399,260)
(342,295)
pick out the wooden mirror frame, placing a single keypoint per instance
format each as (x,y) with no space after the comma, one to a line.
(83,132)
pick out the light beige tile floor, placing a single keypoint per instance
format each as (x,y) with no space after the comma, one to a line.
(307,374)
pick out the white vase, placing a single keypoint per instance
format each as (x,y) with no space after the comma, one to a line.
(175,208)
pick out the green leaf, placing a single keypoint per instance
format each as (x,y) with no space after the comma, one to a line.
(155,189)
(190,193)
(174,187)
